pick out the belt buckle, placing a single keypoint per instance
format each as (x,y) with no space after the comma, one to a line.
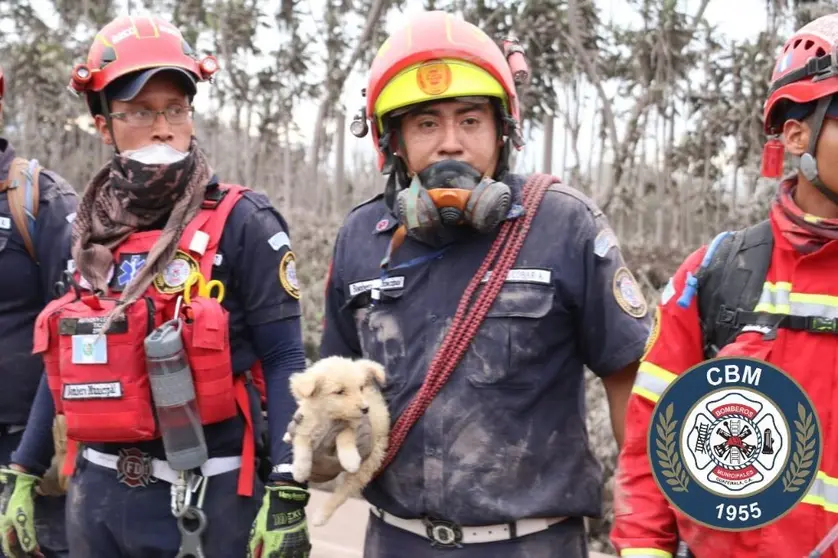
(443,534)
(133,468)
(816,324)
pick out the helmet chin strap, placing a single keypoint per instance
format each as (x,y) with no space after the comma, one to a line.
(808,165)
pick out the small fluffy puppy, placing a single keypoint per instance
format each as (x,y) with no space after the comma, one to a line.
(339,390)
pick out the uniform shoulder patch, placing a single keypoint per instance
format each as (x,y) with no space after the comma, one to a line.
(279,240)
(653,335)
(628,294)
(605,241)
(288,274)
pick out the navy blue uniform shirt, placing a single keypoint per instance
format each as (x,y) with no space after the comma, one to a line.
(264,322)
(26,286)
(505,438)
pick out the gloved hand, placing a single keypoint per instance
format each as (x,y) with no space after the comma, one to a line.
(17,513)
(280,529)
(325,465)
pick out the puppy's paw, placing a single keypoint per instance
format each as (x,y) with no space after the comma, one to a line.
(287,438)
(350,461)
(301,472)
(318,518)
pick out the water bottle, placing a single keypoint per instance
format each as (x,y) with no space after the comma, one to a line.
(173,392)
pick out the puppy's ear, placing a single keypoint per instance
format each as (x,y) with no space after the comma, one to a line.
(374,370)
(303,385)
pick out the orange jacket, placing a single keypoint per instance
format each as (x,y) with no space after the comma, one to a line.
(645,525)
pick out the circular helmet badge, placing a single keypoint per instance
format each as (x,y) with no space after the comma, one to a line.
(734,443)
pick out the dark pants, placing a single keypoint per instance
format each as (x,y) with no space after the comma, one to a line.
(108,519)
(49,510)
(566,540)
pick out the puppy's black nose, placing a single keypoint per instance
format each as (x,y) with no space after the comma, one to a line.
(365,410)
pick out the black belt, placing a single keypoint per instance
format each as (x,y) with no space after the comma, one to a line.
(743,318)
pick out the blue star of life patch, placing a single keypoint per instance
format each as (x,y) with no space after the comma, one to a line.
(129,266)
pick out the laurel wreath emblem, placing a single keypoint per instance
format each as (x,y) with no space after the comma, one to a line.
(804,452)
(670,460)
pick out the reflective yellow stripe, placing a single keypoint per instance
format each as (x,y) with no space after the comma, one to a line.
(823,493)
(778,298)
(645,553)
(651,381)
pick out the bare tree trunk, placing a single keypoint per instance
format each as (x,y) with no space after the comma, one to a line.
(576,175)
(660,139)
(288,182)
(706,184)
(641,207)
(334,83)
(592,148)
(621,149)
(566,132)
(547,163)
(340,197)
(675,196)
(248,158)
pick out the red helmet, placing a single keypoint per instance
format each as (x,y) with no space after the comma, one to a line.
(436,56)
(806,69)
(130,44)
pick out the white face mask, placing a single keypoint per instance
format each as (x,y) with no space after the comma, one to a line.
(156,154)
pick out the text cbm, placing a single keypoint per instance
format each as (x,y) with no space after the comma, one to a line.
(733,374)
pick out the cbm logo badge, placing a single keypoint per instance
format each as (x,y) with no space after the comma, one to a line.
(734,443)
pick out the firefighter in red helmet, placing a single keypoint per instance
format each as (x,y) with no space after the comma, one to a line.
(168,339)
(488,452)
(765,292)
(36,210)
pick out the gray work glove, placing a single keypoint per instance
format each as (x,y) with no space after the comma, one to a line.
(325,465)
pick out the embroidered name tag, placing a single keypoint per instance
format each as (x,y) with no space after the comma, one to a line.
(91,326)
(98,390)
(389,284)
(536,276)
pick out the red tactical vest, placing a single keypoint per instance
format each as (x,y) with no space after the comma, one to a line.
(101,385)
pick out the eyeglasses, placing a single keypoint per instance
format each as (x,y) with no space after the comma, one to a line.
(144,118)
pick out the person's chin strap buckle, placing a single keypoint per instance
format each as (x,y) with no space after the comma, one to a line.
(808,166)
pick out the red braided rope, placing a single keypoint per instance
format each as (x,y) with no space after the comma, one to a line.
(510,239)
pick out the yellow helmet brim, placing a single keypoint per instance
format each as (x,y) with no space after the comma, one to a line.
(436,80)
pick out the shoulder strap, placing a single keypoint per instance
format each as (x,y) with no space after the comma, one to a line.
(203,233)
(732,281)
(22,191)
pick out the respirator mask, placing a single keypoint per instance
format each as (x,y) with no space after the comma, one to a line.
(450,193)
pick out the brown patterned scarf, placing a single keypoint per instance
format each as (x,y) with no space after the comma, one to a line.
(806,232)
(126,196)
